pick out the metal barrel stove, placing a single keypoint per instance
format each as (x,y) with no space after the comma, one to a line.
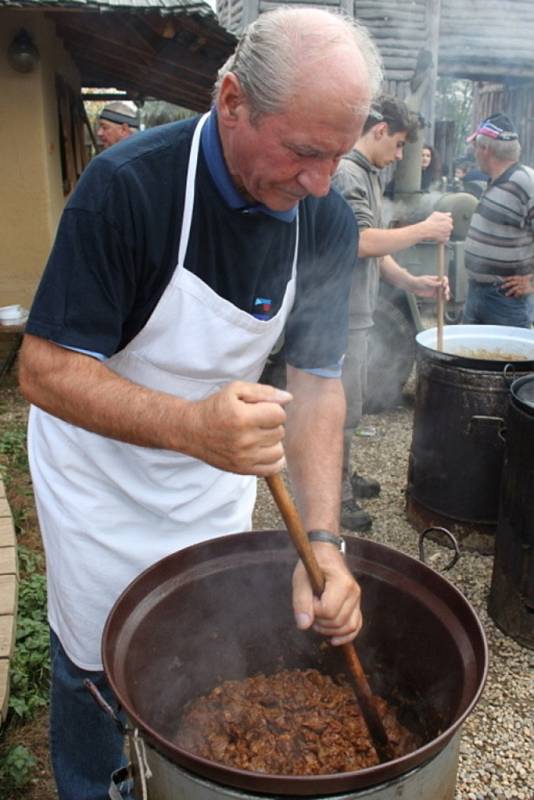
(457,449)
(511,599)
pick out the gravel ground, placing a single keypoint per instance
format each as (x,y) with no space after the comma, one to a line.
(497,749)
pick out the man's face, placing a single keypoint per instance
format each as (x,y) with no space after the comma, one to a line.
(389,147)
(481,155)
(109,133)
(282,158)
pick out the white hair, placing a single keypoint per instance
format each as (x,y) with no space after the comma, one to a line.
(273,51)
(500,149)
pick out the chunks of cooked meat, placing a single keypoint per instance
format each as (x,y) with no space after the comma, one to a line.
(295,722)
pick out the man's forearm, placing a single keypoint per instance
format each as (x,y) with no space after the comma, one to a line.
(84,392)
(238,428)
(394,274)
(314,445)
(381,241)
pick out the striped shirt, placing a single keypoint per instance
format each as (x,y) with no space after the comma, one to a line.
(500,240)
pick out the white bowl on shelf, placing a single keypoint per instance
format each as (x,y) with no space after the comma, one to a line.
(14,313)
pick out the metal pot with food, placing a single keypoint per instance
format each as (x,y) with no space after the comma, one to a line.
(460,403)
(216,617)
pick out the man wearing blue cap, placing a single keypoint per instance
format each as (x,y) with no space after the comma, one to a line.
(499,249)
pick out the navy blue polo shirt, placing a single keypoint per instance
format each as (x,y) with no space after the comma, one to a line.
(117,244)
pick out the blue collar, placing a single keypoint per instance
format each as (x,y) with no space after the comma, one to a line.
(212,150)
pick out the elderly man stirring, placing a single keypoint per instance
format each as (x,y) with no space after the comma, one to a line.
(179,261)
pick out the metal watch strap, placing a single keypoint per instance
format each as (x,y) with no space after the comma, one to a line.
(327,536)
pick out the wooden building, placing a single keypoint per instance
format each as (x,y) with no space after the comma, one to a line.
(486,41)
(164,49)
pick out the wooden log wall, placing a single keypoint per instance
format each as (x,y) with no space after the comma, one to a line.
(235,15)
(231,14)
(482,41)
(400,29)
(479,40)
(487,39)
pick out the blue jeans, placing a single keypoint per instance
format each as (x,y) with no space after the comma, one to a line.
(85,744)
(486,304)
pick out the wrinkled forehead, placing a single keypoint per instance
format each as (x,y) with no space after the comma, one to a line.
(326,133)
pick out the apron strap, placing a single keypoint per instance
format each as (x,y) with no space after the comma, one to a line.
(190,190)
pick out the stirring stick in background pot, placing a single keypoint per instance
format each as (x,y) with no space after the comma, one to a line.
(441,294)
(299,537)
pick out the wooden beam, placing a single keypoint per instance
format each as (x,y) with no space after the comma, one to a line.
(174,74)
(171,54)
(189,95)
(484,72)
(75,36)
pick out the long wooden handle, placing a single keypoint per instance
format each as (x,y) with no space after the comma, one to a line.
(300,539)
(441,296)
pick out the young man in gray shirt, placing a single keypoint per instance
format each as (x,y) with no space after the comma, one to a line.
(389,125)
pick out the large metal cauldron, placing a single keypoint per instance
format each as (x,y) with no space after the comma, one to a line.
(222,610)
(511,599)
(460,402)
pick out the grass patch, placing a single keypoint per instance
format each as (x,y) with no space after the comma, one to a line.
(30,667)
(21,757)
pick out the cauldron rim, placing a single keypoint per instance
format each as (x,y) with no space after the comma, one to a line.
(504,333)
(526,406)
(283,784)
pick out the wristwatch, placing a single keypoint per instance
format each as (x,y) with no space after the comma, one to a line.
(327,536)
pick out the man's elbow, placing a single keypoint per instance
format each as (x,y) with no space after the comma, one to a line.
(26,372)
(38,368)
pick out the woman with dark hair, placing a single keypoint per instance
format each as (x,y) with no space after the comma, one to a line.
(430,169)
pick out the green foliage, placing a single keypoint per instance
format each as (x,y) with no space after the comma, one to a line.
(20,515)
(30,667)
(13,447)
(16,768)
(454,101)
(157,112)
(14,469)
(13,453)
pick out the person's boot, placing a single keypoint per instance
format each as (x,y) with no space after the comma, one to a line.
(364,487)
(353,516)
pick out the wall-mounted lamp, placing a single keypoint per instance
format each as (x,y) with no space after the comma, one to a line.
(22,54)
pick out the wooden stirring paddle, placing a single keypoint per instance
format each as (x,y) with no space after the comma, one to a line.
(300,539)
(441,295)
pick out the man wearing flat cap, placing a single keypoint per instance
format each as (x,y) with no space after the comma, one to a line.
(116,122)
(499,249)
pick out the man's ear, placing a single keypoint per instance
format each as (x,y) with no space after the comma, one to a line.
(380,130)
(231,103)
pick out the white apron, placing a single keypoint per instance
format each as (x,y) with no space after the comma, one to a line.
(108,510)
